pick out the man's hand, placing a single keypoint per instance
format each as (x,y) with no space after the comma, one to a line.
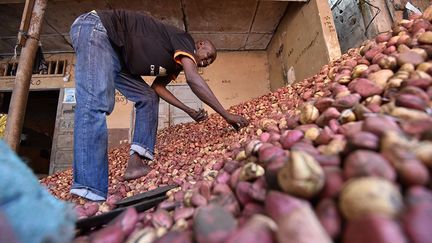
(237,121)
(199,115)
(203,92)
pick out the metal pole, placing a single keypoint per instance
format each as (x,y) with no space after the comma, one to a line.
(21,88)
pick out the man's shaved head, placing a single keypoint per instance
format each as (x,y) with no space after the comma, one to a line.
(205,53)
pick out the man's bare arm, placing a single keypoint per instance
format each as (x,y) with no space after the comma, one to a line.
(204,93)
(159,86)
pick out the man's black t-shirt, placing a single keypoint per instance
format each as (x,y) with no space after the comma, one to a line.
(145,45)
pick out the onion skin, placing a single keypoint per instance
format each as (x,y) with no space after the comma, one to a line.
(291,215)
(175,237)
(382,197)
(368,163)
(213,224)
(329,217)
(378,228)
(254,231)
(334,182)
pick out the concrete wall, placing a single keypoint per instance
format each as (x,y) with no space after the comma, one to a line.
(236,77)
(119,121)
(305,40)
(120,117)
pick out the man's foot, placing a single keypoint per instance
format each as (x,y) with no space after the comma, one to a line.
(136,167)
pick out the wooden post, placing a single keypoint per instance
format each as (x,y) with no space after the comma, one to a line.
(25,21)
(20,92)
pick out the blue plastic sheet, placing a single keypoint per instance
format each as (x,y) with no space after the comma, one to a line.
(33,213)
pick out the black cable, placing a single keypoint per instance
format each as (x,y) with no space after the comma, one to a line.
(335,4)
(373,18)
(185,20)
(366,2)
(64,38)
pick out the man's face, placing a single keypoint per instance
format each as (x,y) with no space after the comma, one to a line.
(206,55)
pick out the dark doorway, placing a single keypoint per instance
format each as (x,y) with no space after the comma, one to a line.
(38,129)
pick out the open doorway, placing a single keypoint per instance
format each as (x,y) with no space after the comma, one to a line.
(38,129)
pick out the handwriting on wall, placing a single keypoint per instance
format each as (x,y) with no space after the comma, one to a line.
(232,97)
(119,98)
(327,20)
(226,81)
(290,52)
(306,48)
(9,83)
(66,124)
(35,82)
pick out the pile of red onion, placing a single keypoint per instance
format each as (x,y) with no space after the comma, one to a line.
(344,156)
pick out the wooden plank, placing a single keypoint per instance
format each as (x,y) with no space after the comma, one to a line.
(328,31)
(38,82)
(11,1)
(23,1)
(62,146)
(44,81)
(53,163)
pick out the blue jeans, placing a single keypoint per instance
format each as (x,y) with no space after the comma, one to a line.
(97,74)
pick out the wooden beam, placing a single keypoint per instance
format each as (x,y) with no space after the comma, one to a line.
(37,82)
(21,88)
(25,22)
(11,1)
